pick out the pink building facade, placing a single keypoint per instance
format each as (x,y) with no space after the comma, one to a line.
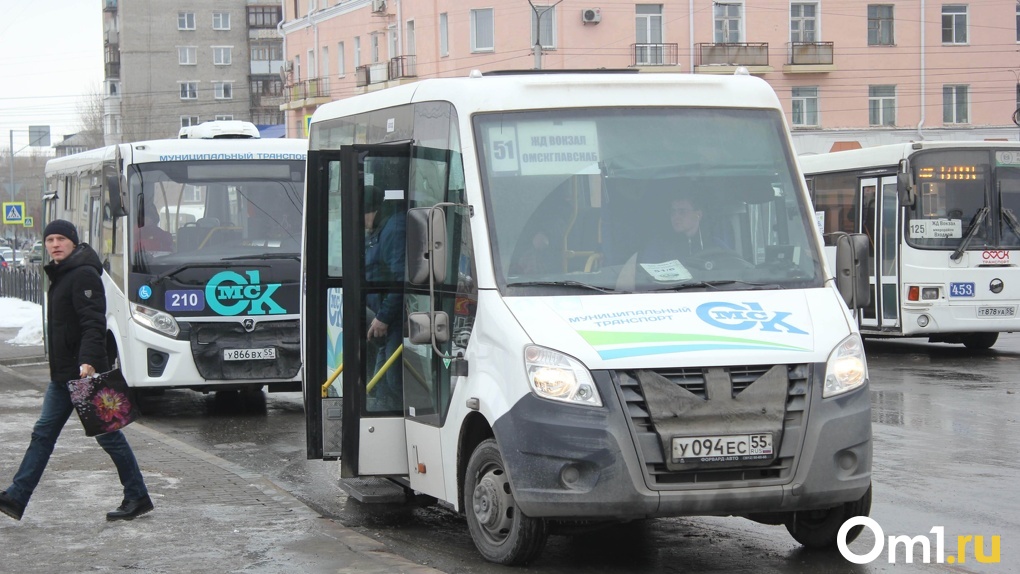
(850,73)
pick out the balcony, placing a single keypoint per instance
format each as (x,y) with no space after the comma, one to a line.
(809,58)
(725,58)
(308,93)
(654,55)
(109,5)
(371,74)
(403,67)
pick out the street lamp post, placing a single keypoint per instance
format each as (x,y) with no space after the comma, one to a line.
(38,136)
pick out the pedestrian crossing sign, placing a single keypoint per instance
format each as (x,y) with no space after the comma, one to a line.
(29,222)
(14,212)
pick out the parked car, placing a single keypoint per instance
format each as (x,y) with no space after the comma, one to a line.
(36,254)
(3,262)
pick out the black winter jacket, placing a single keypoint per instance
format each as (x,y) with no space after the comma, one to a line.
(76,314)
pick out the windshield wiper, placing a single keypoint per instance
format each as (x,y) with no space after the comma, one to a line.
(1011,220)
(294,256)
(562,284)
(978,220)
(716,284)
(158,278)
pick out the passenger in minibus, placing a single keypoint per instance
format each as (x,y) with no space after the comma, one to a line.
(385,228)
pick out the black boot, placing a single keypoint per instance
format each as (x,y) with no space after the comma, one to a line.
(11,507)
(129,509)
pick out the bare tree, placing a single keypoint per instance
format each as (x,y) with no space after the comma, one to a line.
(90,118)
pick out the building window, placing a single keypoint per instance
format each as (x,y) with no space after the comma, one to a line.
(954,24)
(803,22)
(482,31)
(543,26)
(264,16)
(312,72)
(375,48)
(224,117)
(187,55)
(297,69)
(341,65)
(955,104)
(189,90)
(357,51)
(267,86)
(266,50)
(1018,23)
(880,25)
(648,28)
(728,19)
(882,105)
(221,21)
(223,90)
(324,62)
(187,121)
(444,34)
(191,193)
(805,107)
(185,20)
(221,55)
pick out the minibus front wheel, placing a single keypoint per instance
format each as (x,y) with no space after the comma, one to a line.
(820,528)
(500,531)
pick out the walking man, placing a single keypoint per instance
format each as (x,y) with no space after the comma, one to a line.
(76,330)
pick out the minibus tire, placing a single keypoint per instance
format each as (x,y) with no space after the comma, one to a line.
(980,341)
(820,528)
(500,531)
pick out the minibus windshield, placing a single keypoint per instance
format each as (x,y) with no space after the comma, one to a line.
(644,199)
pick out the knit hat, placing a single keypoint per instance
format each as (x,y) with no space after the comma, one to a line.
(61,227)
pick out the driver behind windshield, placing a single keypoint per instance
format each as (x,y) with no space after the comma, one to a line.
(685,238)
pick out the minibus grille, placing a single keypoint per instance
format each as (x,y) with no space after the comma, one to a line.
(692,379)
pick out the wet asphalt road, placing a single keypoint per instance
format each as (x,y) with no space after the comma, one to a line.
(946,444)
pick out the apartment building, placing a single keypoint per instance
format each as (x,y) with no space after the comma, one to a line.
(850,73)
(178,63)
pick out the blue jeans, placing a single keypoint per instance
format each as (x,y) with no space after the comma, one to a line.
(56,409)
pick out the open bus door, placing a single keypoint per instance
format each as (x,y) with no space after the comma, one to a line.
(345,370)
(348,417)
(878,201)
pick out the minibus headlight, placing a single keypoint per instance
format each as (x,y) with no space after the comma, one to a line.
(556,376)
(846,368)
(159,321)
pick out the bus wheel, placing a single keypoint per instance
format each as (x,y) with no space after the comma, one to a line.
(501,532)
(980,341)
(820,528)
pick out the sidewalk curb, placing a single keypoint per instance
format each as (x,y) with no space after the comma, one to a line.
(20,361)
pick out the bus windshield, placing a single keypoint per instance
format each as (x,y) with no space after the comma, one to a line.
(965,198)
(644,199)
(210,211)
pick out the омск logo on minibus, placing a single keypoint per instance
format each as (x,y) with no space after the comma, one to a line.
(230,293)
(741,317)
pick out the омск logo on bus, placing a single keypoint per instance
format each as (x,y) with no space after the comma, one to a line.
(737,317)
(230,293)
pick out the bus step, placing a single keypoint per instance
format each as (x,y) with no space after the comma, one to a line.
(373,490)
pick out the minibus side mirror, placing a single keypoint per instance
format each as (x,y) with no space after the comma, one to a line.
(905,184)
(426,252)
(420,327)
(851,269)
(114,198)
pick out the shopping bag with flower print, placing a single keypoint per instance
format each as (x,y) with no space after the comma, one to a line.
(103,402)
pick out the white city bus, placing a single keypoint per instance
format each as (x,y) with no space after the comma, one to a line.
(941,218)
(200,238)
(545,371)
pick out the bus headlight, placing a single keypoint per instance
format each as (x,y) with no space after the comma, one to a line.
(846,368)
(159,321)
(556,376)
